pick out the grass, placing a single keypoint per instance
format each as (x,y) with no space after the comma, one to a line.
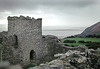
(31,65)
(28,66)
(80,39)
(37,64)
(75,44)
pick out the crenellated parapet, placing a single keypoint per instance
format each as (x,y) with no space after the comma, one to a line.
(22,18)
(19,24)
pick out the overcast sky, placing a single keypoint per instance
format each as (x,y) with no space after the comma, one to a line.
(55,13)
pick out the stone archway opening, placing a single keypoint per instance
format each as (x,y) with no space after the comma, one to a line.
(32,56)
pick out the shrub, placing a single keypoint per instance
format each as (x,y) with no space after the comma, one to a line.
(94,35)
(69,41)
(60,40)
(81,41)
(31,65)
(66,44)
(71,37)
(93,45)
(88,42)
(72,46)
(28,66)
(97,36)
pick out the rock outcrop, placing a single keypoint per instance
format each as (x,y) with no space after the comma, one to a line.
(7,65)
(89,59)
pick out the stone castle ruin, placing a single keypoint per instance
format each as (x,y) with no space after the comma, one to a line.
(24,43)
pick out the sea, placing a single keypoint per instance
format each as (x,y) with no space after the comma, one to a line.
(60,33)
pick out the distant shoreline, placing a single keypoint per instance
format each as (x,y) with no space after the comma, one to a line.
(70,29)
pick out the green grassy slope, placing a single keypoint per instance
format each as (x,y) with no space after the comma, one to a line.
(80,39)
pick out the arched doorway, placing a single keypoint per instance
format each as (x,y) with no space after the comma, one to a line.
(32,56)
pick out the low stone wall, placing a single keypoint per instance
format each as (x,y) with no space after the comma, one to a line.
(54,46)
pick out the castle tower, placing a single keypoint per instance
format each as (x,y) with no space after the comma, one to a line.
(24,40)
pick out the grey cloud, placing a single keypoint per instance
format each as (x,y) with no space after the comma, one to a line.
(34,4)
(3,27)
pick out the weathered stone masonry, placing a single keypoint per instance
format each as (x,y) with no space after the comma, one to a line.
(24,40)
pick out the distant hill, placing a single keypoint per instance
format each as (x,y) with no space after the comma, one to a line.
(94,29)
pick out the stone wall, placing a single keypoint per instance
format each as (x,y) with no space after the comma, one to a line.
(54,46)
(2,34)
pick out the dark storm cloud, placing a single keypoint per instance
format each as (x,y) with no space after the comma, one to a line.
(34,4)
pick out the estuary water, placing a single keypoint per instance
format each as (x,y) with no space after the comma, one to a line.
(61,34)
